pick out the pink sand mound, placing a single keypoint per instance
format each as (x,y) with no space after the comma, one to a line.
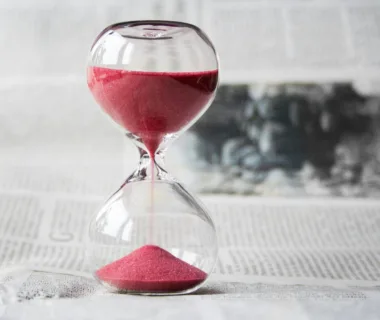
(151,269)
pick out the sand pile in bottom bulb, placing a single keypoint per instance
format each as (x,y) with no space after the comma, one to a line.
(151,269)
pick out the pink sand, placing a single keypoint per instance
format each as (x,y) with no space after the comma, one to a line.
(151,269)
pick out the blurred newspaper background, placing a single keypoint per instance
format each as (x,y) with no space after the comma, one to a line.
(296,115)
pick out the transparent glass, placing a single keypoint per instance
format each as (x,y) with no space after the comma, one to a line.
(154,79)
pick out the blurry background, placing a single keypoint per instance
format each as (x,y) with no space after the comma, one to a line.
(297,112)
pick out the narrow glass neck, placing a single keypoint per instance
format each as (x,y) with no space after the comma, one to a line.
(161,147)
(153,163)
(150,168)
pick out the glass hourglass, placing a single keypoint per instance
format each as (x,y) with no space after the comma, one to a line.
(154,79)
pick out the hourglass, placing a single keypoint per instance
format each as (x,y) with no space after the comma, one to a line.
(154,79)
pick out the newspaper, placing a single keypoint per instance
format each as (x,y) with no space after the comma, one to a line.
(294,40)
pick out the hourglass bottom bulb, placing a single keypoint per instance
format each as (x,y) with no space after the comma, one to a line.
(151,269)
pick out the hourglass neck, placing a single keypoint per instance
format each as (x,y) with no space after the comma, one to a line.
(150,167)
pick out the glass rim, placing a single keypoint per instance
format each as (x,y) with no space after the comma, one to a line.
(169,23)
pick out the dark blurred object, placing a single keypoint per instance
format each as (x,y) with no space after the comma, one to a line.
(221,122)
(287,127)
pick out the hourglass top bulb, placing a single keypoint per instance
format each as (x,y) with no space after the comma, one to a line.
(153,78)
